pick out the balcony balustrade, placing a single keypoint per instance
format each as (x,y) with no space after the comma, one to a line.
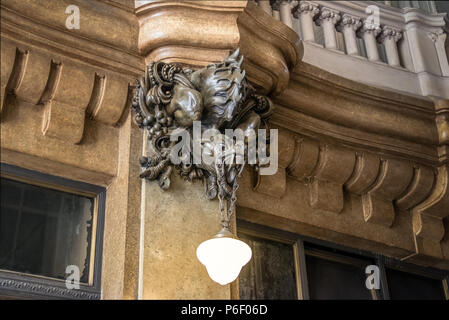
(400,45)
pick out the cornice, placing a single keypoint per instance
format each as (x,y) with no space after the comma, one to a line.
(73,74)
(322,104)
(56,39)
(390,205)
(98,20)
(424,19)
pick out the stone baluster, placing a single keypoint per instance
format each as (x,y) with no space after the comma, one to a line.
(369,31)
(389,37)
(306,11)
(286,12)
(439,39)
(328,18)
(348,26)
(276,6)
(265,6)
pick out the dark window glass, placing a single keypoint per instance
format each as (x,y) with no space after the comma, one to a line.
(409,286)
(329,279)
(42,230)
(271,272)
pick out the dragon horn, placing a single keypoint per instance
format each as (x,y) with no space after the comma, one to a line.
(235,55)
(240,61)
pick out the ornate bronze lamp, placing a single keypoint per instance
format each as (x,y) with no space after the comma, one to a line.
(172,103)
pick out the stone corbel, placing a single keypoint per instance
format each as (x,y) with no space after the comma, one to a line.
(335,166)
(276,185)
(305,159)
(428,225)
(66,88)
(442,122)
(193,33)
(174,32)
(325,169)
(30,73)
(13,61)
(65,98)
(393,179)
(365,173)
(271,49)
(428,215)
(383,184)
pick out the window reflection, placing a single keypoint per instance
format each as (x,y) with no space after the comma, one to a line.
(271,272)
(42,230)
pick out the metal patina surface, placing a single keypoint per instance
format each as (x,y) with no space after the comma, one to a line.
(170,99)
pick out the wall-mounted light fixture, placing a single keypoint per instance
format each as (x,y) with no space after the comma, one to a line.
(223,256)
(173,105)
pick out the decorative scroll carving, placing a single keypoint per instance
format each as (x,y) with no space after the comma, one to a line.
(328,15)
(368,27)
(428,225)
(390,33)
(306,7)
(68,90)
(170,98)
(349,21)
(43,289)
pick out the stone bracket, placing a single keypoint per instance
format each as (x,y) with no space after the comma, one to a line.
(66,88)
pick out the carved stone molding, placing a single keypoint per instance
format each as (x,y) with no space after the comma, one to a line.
(369,27)
(327,14)
(389,33)
(435,35)
(428,224)
(378,189)
(376,176)
(174,32)
(442,122)
(44,63)
(306,7)
(333,168)
(393,179)
(348,21)
(42,290)
(66,91)
(193,33)
(307,106)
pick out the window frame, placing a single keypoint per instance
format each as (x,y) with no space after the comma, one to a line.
(300,252)
(27,286)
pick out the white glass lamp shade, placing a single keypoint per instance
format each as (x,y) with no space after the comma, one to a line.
(223,257)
